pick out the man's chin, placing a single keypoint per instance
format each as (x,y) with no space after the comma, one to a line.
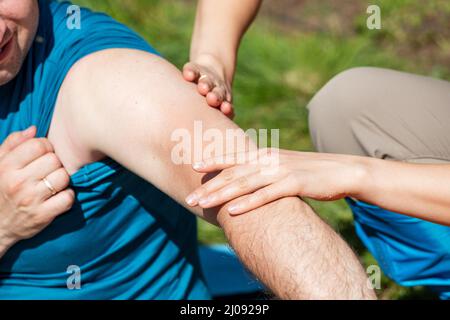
(10,67)
(6,76)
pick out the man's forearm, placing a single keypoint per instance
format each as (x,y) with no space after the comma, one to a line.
(283,243)
(295,253)
(219,27)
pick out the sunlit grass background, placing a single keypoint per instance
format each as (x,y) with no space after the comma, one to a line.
(294,47)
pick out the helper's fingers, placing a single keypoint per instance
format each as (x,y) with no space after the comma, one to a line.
(261,197)
(227,105)
(225,161)
(219,181)
(58,180)
(227,109)
(228,96)
(191,72)
(241,186)
(205,84)
(15,139)
(216,96)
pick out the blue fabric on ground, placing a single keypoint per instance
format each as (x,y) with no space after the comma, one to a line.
(224,273)
(411,251)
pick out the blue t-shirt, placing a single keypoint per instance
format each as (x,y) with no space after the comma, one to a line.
(123,237)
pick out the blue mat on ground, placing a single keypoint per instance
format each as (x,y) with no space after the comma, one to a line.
(224,273)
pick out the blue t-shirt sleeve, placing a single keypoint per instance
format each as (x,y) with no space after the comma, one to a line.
(60,47)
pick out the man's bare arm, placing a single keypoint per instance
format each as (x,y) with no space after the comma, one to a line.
(126,104)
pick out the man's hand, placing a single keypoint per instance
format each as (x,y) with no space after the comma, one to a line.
(27,205)
(209,74)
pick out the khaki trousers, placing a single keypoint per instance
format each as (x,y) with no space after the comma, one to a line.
(383,114)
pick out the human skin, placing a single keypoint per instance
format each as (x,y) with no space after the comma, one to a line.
(284,243)
(27,206)
(218,30)
(18,25)
(417,190)
(127,113)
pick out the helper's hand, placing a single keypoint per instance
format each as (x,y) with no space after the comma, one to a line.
(258,177)
(27,204)
(209,75)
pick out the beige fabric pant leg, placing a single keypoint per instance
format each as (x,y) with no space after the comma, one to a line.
(384,114)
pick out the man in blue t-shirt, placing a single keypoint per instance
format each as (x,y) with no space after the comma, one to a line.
(91,197)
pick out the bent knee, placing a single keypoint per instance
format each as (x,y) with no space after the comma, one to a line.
(342,98)
(340,91)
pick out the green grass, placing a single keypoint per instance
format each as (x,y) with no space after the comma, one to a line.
(282,65)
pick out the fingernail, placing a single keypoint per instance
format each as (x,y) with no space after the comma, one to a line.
(191,199)
(233,208)
(198,165)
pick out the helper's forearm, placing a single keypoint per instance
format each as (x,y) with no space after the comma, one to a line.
(219,27)
(419,190)
(312,262)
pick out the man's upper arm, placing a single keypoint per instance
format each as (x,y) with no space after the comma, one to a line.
(128,105)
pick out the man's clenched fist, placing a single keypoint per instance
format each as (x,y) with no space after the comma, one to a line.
(33,187)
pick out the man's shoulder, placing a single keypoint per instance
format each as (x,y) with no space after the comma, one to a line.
(111,73)
(70,32)
(95,87)
(59,47)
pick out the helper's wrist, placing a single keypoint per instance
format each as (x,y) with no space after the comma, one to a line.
(362,177)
